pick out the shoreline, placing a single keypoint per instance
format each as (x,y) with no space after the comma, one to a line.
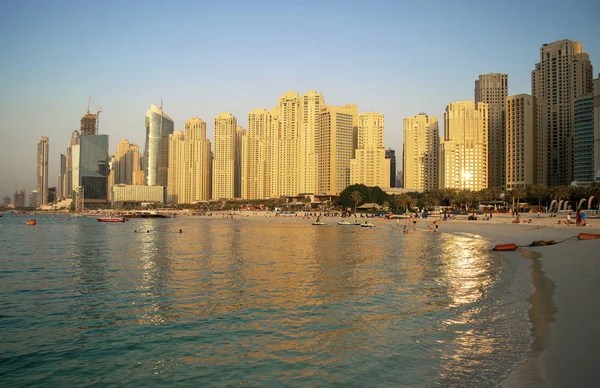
(563,309)
(563,313)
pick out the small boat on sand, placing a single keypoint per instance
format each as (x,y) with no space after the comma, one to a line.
(367,225)
(111,219)
(319,223)
(344,223)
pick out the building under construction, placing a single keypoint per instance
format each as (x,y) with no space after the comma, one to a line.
(89,124)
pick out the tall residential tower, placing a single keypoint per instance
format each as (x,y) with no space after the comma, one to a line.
(563,74)
(370,167)
(42,171)
(421,141)
(492,89)
(520,141)
(464,149)
(334,147)
(224,163)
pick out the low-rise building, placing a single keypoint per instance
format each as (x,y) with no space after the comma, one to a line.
(122,194)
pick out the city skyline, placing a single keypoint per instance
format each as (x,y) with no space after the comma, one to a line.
(108,63)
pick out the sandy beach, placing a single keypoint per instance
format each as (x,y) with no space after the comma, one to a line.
(564,311)
(564,305)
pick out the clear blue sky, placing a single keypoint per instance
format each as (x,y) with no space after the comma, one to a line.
(205,57)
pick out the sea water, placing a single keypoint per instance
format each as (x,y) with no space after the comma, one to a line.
(258,301)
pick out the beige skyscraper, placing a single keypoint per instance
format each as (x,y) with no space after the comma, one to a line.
(189,164)
(370,167)
(241,134)
(520,140)
(492,89)
(177,168)
(127,160)
(261,156)
(223,179)
(310,111)
(289,142)
(42,170)
(421,140)
(464,150)
(563,74)
(334,147)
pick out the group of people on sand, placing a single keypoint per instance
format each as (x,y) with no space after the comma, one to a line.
(580,219)
(518,221)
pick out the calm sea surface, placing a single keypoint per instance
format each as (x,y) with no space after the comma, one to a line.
(254,302)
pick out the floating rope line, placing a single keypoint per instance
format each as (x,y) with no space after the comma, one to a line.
(542,243)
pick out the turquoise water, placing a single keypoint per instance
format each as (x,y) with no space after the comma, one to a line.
(254,302)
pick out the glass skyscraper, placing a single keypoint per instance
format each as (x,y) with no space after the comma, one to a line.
(156,155)
(93,167)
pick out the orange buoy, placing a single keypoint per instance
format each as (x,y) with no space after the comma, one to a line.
(505,247)
(31,222)
(588,236)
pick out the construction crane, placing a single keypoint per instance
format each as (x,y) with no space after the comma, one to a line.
(98,111)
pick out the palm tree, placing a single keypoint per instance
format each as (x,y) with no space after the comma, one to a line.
(396,201)
(517,193)
(356,198)
(451,195)
(538,192)
(307,201)
(561,193)
(404,200)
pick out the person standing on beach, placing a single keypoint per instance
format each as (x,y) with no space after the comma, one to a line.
(435,231)
(568,219)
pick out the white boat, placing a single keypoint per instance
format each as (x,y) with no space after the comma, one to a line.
(367,225)
(319,223)
(111,219)
(344,223)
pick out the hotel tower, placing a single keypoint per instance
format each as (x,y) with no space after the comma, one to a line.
(189,164)
(370,167)
(463,160)
(492,89)
(421,142)
(224,163)
(520,141)
(563,75)
(334,147)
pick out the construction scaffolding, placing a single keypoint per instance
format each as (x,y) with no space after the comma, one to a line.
(79,199)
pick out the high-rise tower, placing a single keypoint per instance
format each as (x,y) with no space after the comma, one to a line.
(310,113)
(189,164)
(563,74)
(289,156)
(223,178)
(492,89)
(42,170)
(334,147)
(421,141)
(156,155)
(520,141)
(127,161)
(464,149)
(370,167)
